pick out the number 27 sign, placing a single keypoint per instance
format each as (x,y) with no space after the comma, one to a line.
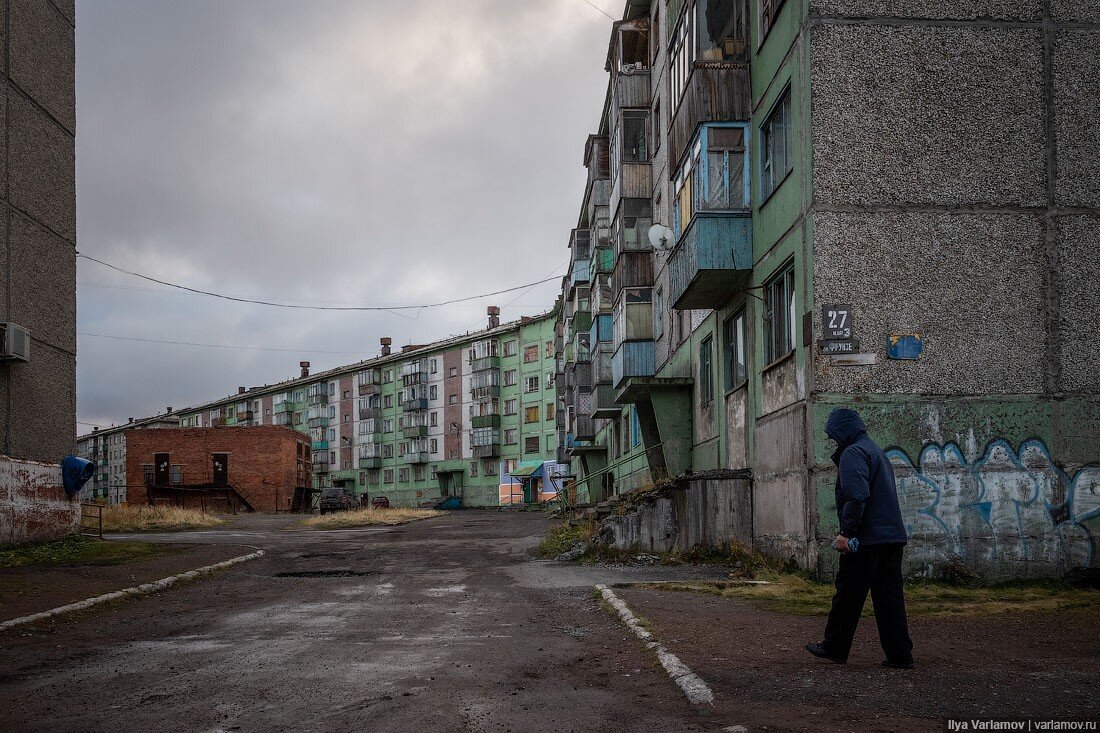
(836,321)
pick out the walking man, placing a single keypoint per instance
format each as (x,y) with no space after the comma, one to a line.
(871,540)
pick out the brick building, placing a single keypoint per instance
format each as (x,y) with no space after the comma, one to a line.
(263,468)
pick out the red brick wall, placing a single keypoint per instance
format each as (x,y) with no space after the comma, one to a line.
(452,441)
(263,460)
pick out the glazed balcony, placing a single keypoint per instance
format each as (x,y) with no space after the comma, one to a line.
(485,364)
(319,421)
(285,407)
(414,431)
(369,413)
(318,395)
(633,180)
(485,421)
(415,404)
(633,320)
(487,450)
(716,91)
(711,261)
(320,445)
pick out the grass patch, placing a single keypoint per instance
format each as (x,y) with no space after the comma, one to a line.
(797,594)
(80,550)
(563,536)
(369,517)
(122,518)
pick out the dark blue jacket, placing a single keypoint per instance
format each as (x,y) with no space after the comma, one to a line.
(866,497)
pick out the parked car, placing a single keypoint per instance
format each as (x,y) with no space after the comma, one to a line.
(336,500)
(380,502)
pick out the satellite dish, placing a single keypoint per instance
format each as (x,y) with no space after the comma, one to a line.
(660,237)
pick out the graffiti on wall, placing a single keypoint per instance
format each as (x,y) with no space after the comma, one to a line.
(1008,511)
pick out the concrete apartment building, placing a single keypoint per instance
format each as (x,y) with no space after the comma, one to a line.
(455,418)
(38,266)
(869,205)
(106,448)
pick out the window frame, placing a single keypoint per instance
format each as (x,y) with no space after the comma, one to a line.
(781,284)
(706,370)
(735,345)
(770,181)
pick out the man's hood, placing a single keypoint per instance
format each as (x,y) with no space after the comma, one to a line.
(844,426)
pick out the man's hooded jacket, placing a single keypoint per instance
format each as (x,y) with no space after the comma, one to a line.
(866,496)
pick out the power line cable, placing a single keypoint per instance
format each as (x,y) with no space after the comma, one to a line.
(597,7)
(217,346)
(308,307)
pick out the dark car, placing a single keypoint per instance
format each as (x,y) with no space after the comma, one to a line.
(336,500)
(380,502)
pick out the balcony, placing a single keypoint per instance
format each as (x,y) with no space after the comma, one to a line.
(370,413)
(414,431)
(321,421)
(632,88)
(370,382)
(419,403)
(485,364)
(217,422)
(580,272)
(318,398)
(320,463)
(597,157)
(488,450)
(418,457)
(320,445)
(584,427)
(485,392)
(633,319)
(485,421)
(285,407)
(370,462)
(632,270)
(370,388)
(604,406)
(632,359)
(711,261)
(716,91)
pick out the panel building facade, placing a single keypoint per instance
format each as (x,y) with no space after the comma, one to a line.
(859,205)
(455,418)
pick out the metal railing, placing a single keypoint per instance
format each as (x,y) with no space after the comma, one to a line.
(91,520)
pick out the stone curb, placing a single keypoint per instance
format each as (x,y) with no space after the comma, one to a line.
(162,584)
(693,686)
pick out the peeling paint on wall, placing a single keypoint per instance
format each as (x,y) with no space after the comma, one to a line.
(33,503)
(1008,512)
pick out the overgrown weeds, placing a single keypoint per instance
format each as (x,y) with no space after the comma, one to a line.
(79,550)
(564,536)
(369,517)
(138,518)
(800,595)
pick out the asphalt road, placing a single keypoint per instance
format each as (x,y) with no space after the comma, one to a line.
(448,624)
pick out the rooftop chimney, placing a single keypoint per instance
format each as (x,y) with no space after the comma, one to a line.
(168,410)
(386,341)
(131,419)
(494,316)
(241,390)
(305,368)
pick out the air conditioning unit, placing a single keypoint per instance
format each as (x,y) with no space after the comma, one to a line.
(15,342)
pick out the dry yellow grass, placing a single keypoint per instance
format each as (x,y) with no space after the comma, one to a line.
(368,517)
(122,518)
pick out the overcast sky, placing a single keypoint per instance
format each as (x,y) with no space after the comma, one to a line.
(362,152)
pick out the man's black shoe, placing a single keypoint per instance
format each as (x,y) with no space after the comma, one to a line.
(907,664)
(819,651)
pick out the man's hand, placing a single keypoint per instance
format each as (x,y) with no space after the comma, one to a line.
(841,544)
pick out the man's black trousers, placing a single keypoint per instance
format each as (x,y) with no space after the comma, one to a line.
(875,568)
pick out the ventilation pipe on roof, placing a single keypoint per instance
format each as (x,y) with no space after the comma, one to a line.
(386,341)
(494,316)
(305,368)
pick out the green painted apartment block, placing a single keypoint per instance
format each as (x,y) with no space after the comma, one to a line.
(822,203)
(454,418)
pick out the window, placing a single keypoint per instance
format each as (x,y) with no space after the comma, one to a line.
(779,315)
(347,394)
(511,436)
(706,371)
(531,414)
(387,401)
(473,468)
(332,433)
(509,348)
(510,378)
(531,384)
(531,444)
(453,372)
(387,452)
(434,420)
(433,445)
(489,467)
(549,410)
(452,399)
(635,144)
(388,475)
(387,425)
(510,407)
(549,349)
(775,146)
(734,336)
(530,354)
(551,443)
(659,312)
(433,392)
(682,55)
(768,10)
(712,176)
(403,475)
(177,474)
(418,473)
(331,411)
(433,366)
(657,126)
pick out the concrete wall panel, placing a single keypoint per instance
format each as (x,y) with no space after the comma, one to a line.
(41,167)
(737,438)
(43,405)
(39,260)
(1031,10)
(1079,237)
(43,57)
(1077,124)
(1074,11)
(942,117)
(972,284)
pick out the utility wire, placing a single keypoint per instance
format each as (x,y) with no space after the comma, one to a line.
(309,307)
(217,346)
(597,7)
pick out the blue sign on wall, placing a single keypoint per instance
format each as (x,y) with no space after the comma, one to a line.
(904,346)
